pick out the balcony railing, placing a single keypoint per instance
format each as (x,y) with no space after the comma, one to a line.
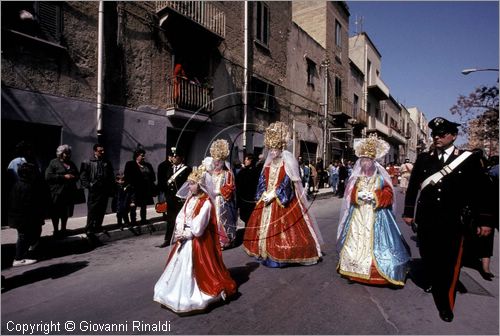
(185,94)
(201,12)
(342,106)
(360,115)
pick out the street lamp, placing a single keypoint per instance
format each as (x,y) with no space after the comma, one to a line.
(468,71)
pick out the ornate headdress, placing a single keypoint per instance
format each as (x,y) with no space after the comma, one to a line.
(197,174)
(371,147)
(219,149)
(276,136)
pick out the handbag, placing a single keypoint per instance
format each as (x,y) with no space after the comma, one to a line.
(79,196)
(161,207)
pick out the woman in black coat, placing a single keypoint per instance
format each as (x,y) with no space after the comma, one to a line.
(61,176)
(141,176)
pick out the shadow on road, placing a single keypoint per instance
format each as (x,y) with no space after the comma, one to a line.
(48,272)
(242,274)
(49,248)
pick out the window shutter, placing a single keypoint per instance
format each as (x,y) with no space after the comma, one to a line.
(49,19)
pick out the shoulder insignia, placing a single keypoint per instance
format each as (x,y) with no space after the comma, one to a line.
(457,151)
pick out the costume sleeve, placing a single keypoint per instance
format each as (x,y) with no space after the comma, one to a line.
(200,222)
(228,188)
(284,192)
(354,195)
(261,186)
(383,196)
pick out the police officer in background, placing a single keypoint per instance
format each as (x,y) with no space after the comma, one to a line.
(438,207)
(176,175)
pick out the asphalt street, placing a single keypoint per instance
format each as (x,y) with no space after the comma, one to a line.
(111,286)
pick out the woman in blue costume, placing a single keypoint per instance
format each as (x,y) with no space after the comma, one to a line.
(370,246)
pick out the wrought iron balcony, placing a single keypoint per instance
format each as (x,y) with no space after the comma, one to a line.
(186,94)
(360,115)
(342,106)
(201,12)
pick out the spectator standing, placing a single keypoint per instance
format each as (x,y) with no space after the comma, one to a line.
(246,187)
(343,176)
(334,176)
(140,174)
(29,200)
(97,176)
(405,171)
(123,202)
(61,176)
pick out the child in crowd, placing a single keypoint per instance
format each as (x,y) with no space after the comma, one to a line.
(123,201)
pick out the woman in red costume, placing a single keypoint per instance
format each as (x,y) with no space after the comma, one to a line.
(281,230)
(195,275)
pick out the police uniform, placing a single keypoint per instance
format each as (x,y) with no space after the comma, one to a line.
(438,215)
(172,185)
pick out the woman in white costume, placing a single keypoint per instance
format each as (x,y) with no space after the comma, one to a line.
(195,275)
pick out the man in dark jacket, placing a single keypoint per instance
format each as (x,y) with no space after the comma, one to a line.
(177,175)
(441,204)
(246,187)
(97,176)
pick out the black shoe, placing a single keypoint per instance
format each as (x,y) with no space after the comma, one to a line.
(446,315)
(162,245)
(461,288)
(487,275)
(428,289)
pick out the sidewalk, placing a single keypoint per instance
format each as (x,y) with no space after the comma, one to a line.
(76,225)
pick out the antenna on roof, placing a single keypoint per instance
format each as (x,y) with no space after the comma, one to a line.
(358,23)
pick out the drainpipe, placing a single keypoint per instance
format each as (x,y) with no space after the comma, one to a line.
(325,106)
(100,54)
(245,78)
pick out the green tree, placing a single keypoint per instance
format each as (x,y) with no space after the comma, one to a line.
(478,113)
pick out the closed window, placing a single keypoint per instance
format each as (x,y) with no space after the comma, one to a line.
(262,23)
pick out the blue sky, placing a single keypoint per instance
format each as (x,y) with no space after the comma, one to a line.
(426,44)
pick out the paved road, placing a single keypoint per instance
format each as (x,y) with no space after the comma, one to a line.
(112,286)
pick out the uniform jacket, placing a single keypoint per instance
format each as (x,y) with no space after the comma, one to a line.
(174,185)
(464,186)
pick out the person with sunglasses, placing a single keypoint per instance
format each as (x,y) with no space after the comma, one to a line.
(445,182)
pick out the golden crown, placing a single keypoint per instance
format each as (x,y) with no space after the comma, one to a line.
(371,147)
(276,136)
(197,174)
(219,149)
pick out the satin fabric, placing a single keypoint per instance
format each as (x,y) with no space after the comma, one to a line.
(195,275)
(281,232)
(225,205)
(370,246)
